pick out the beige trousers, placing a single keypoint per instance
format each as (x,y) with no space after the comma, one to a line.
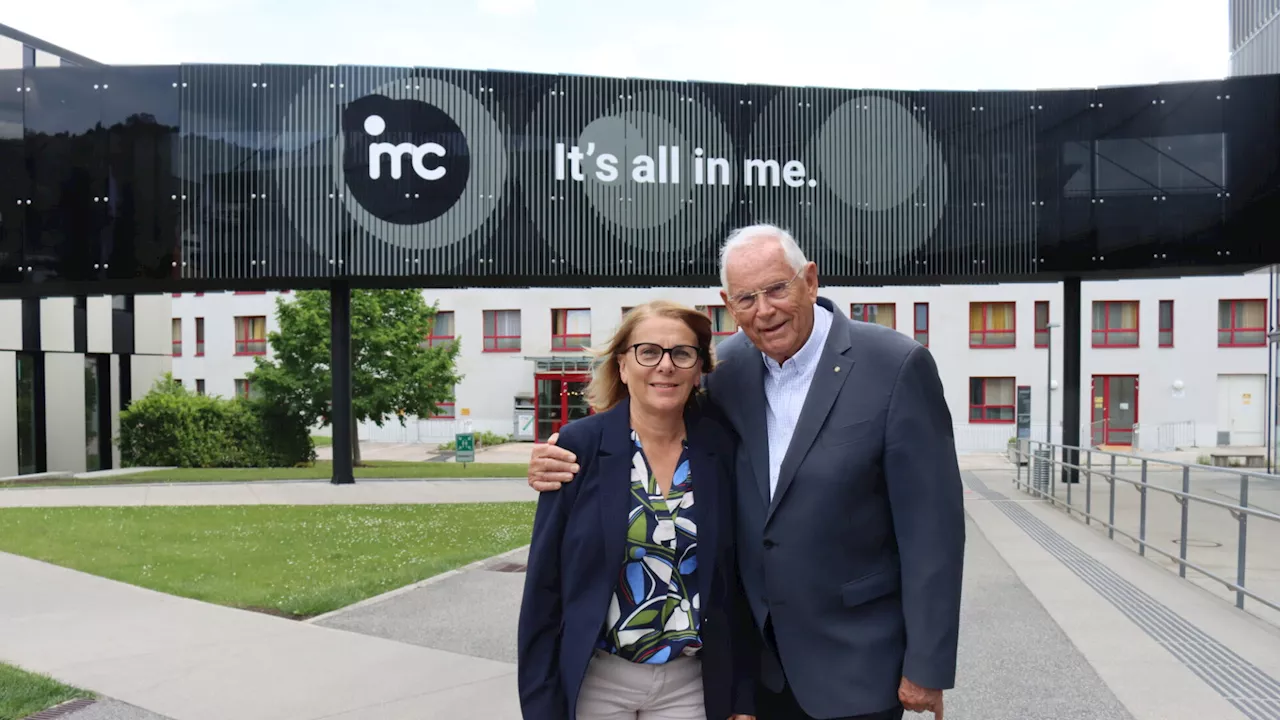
(616,689)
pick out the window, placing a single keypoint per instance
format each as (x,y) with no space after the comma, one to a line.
(722,323)
(441,332)
(879,313)
(1042,323)
(177,337)
(199,386)
(922,323)
(501,330)
(244,389)
(570,329)
(199,336)
(28,417)
(251,292)
(251,335)
(991,400)
(1242,323)
(446,410)
(992,325)
(1115,324)
(1166,323)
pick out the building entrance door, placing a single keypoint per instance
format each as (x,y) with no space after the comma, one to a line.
(1115,409)
(560,399)
(1242,409)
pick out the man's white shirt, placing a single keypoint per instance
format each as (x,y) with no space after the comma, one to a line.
(785,390)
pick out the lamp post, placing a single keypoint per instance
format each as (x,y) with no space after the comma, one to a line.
(1048,382)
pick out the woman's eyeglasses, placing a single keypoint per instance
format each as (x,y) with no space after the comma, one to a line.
(650,355)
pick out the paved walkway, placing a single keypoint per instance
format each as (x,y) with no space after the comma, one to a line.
(1059,623)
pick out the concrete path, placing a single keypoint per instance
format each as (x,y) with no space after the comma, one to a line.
(291,492)
(1059,622)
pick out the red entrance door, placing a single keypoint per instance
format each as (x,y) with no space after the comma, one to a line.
(1115,409)
(559,400)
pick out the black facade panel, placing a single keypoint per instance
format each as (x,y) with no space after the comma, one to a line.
(154,179)
(80,324)
(31,329)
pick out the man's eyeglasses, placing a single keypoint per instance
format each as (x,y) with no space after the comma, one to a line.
(777,291)
(650,355)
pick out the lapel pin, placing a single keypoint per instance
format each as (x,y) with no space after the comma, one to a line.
(837,368)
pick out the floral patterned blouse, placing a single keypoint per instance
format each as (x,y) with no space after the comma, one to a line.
(653,616)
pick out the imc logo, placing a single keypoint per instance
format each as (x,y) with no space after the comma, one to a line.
(405,161)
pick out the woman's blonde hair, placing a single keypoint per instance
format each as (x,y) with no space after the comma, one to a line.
(606,388)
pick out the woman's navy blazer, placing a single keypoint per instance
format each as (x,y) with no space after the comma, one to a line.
(576,556)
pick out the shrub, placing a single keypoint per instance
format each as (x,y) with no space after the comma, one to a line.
(171,426)
(484,438)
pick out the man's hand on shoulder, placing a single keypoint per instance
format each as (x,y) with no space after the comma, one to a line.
(919,699)
(551,466)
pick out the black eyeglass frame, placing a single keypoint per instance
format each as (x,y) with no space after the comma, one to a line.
(634,349)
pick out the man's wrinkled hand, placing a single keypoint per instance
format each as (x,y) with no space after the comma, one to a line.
(551,466)
(920,699)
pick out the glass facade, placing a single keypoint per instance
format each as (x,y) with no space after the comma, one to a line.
(28,417)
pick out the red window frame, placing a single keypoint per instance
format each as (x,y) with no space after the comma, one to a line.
(176,325)
(1233,329)
(251,292)
(866,317)
(985,330)
(915,321)
(1042,328)
(246,344)
(243,388)
(1107,331)
(1163,341)
(714,313)
(560,342)
(434,340)
(491,336)
(985,409)
(445,411)
(199,337)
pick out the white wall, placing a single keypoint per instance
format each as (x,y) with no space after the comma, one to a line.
(10,325)
(98,324)
(492,380)
(146,370)
(57,324)
(8,413)
(151,327)
(65,411)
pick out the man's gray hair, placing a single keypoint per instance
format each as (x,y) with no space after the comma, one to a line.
(752,233)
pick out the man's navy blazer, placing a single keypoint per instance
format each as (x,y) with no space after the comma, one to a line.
(576,556)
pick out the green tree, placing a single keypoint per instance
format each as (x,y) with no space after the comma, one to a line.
(393,372)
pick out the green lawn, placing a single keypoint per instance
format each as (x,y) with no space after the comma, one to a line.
(321,440)
(321,470)
(298,561)
(23,693)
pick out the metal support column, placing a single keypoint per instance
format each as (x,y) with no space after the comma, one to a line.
(340,364)
(1071,315)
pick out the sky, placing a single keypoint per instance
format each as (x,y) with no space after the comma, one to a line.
(898,44)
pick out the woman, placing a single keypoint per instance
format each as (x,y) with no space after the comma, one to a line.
(631,583)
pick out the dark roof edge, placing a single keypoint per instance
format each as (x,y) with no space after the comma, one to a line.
(48,47)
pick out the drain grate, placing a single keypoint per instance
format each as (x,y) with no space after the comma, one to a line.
(65,708)
(509,567)
(1241,683)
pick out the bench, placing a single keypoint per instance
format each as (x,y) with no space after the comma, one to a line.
(1238,459)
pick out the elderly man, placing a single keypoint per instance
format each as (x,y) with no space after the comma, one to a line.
(849,510)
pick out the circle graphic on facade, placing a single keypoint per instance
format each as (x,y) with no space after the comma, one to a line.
(405,161)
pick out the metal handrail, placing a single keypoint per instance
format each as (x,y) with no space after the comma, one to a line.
(1241,512)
